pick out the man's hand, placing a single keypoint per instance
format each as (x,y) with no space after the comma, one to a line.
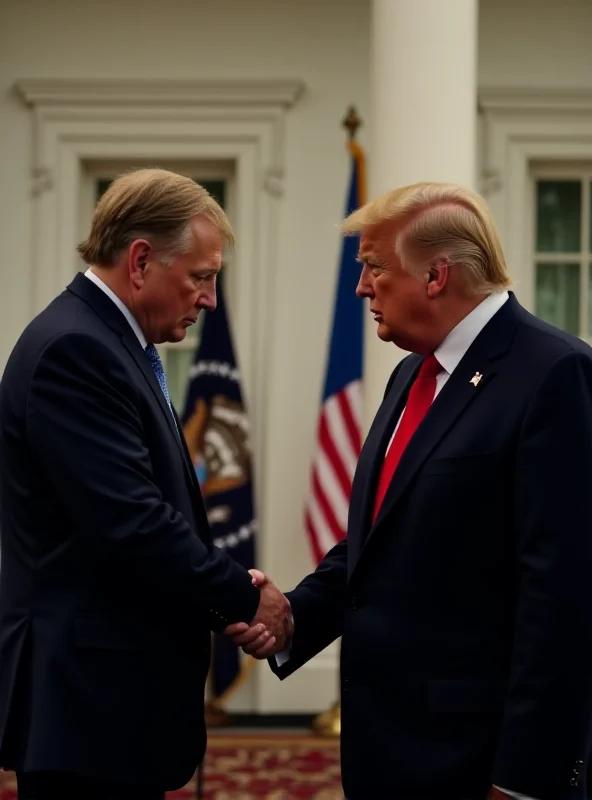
(272,625)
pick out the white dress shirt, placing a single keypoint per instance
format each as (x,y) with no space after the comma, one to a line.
(134,324)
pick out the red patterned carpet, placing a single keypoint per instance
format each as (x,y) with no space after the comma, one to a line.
(253,766)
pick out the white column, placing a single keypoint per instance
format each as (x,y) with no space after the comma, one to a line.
(424,119)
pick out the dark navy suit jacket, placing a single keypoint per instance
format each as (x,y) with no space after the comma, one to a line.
(109,583)
(465,610)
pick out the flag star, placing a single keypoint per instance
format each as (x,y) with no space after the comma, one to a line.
(232,540)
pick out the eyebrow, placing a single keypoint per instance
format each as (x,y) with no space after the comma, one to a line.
(368,258)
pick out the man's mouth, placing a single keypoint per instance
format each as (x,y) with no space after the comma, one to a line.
(377,315)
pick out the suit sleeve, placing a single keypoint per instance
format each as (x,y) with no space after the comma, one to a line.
(318,604)
(545,732)
(87,438)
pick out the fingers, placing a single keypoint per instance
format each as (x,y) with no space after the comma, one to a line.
(262,644)
(269,649)
(249,636)
(236,629)
(258,578)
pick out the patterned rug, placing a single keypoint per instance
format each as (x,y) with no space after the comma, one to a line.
(257,767)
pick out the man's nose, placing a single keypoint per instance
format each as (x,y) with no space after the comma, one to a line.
(207,300)
(364,287)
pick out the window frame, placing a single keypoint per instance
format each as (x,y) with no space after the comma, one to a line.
(517,128)
(566,171)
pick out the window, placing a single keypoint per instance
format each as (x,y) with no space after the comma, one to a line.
(562,246)
(217,179)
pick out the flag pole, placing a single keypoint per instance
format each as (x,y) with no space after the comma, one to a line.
(328,723)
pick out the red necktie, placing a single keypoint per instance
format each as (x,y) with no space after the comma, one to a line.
(420,399)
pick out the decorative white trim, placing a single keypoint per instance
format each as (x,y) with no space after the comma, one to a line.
(519,127)
(49,92)
(520,99)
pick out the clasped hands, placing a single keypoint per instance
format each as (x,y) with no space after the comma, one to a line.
(272,627)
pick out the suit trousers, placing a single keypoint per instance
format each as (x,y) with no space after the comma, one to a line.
(66,786)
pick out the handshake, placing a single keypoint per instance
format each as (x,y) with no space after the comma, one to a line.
(272,628)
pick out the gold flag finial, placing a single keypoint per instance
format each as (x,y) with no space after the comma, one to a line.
(351,122)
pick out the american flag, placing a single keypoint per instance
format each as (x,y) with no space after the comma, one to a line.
(339,431)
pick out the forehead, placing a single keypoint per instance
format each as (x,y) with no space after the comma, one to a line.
(378,239)
(207,239)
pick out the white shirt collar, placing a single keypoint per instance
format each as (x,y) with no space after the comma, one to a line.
(134,324)
(460,338)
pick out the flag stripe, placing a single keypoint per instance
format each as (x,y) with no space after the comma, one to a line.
(353,429)
(329,444)
(317,550)
(325,536)
(354,396)
(341,441)
(323,516)
(337,498)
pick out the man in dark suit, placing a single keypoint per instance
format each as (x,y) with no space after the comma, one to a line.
(110,585)
(463,591)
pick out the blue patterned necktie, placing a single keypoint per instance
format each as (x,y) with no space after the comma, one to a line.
(158,370)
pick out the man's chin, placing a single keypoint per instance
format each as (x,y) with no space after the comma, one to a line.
(384,333)
(177,335)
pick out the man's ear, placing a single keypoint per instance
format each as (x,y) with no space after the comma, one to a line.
(438,272)
(137,260)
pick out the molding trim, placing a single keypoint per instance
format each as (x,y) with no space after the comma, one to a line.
(48,92)
(520,99)
(518,127)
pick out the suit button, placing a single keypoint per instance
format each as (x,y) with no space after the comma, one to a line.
(579,763)
(573,782)
(354,602)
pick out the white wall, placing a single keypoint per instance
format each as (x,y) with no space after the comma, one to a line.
(325,44)
(535,43)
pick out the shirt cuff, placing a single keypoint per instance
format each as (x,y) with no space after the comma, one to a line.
(282,656)
(515,795)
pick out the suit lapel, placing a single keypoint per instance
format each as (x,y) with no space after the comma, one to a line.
(372,456)
(135,350)
(114,319)
(193,484)
(451,403)
(448,406)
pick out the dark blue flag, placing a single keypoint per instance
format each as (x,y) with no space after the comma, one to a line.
(216,428)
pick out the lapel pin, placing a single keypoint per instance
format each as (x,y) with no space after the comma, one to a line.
(476,378)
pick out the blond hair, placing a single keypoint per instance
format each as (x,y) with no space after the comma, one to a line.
(440,220)
(152,204)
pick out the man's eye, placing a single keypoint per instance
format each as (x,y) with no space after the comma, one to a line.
(201,279)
